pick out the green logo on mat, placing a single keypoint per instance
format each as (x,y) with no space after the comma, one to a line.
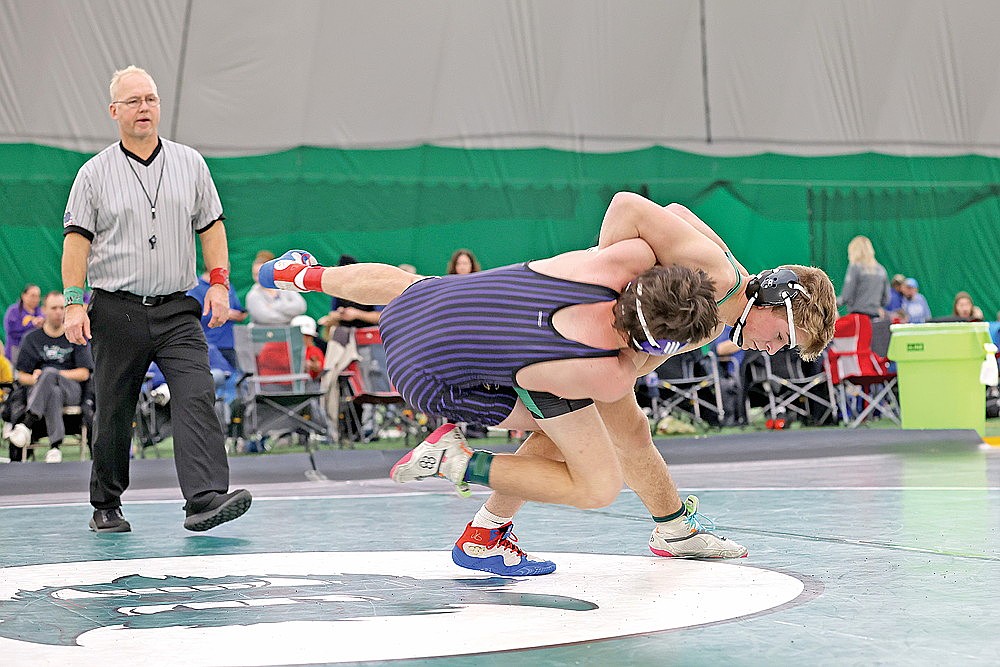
(914,347)
(140,602)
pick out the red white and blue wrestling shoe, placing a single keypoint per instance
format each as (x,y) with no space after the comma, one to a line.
(286,272)
(494,550)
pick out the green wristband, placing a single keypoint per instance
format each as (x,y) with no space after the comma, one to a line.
(73,296)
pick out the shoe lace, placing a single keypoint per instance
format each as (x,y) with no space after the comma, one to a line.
(699,523)
(507,540)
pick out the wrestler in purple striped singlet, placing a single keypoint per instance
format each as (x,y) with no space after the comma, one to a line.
(454,344)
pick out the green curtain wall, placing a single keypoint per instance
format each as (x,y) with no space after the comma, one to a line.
(932,218)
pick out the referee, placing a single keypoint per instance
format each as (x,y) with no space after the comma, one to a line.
(129,228)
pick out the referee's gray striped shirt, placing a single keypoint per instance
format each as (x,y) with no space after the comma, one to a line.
(107,205)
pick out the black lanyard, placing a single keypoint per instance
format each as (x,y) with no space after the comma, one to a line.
(156,197)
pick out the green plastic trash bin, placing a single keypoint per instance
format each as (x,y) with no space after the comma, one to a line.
(938,366)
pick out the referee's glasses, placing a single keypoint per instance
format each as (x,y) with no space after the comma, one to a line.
(136,102)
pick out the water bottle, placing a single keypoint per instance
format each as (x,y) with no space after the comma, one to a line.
(652,381)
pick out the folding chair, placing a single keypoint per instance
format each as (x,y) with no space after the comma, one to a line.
(79,420)
(689,383)
(276,396)
(756,394)
(860,373)
(797,390)
(151,423)
(369,404)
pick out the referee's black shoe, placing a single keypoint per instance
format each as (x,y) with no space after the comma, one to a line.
(110,521)
(224,507)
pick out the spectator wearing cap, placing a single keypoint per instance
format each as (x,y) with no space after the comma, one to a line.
(915,308)
(895,305)
(314,355)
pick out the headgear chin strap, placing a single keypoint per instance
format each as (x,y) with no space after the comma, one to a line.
(656,346)
(772,287)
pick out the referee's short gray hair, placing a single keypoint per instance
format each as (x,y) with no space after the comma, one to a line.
(117,77)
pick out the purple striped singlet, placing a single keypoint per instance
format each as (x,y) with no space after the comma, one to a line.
(454,344)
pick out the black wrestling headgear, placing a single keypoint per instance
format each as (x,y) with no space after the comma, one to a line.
(772,287)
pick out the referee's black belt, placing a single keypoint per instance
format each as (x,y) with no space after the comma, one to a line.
(149,301)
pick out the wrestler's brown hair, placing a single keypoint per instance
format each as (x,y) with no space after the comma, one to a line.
(678,304)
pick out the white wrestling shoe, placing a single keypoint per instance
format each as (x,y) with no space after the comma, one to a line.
(685,537)
(443,454)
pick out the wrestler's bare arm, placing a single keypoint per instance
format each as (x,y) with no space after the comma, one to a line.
(689,217)
(672,237)
(368,282)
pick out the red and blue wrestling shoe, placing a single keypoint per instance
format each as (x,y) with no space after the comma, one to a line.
(493,550)
(286,272)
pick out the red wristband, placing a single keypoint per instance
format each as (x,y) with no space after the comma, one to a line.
(313,278)
(219,276)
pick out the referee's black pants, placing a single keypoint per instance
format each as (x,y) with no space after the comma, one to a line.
(127,336)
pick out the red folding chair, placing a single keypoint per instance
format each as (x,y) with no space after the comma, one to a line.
(859,372)
(387,407)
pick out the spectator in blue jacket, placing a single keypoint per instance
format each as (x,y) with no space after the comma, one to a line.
(915,306)
(222,335)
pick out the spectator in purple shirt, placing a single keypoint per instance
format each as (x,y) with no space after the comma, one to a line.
(22,317)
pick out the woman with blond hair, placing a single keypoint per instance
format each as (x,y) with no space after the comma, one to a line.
(866,283)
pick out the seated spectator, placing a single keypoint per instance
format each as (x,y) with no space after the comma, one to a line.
(344,313)
(20,318)
(341,323)
(895,306)
(463,261)
(314,356)
(222,335)
(54,370)
(271,307)
(915,308)
(964,308)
